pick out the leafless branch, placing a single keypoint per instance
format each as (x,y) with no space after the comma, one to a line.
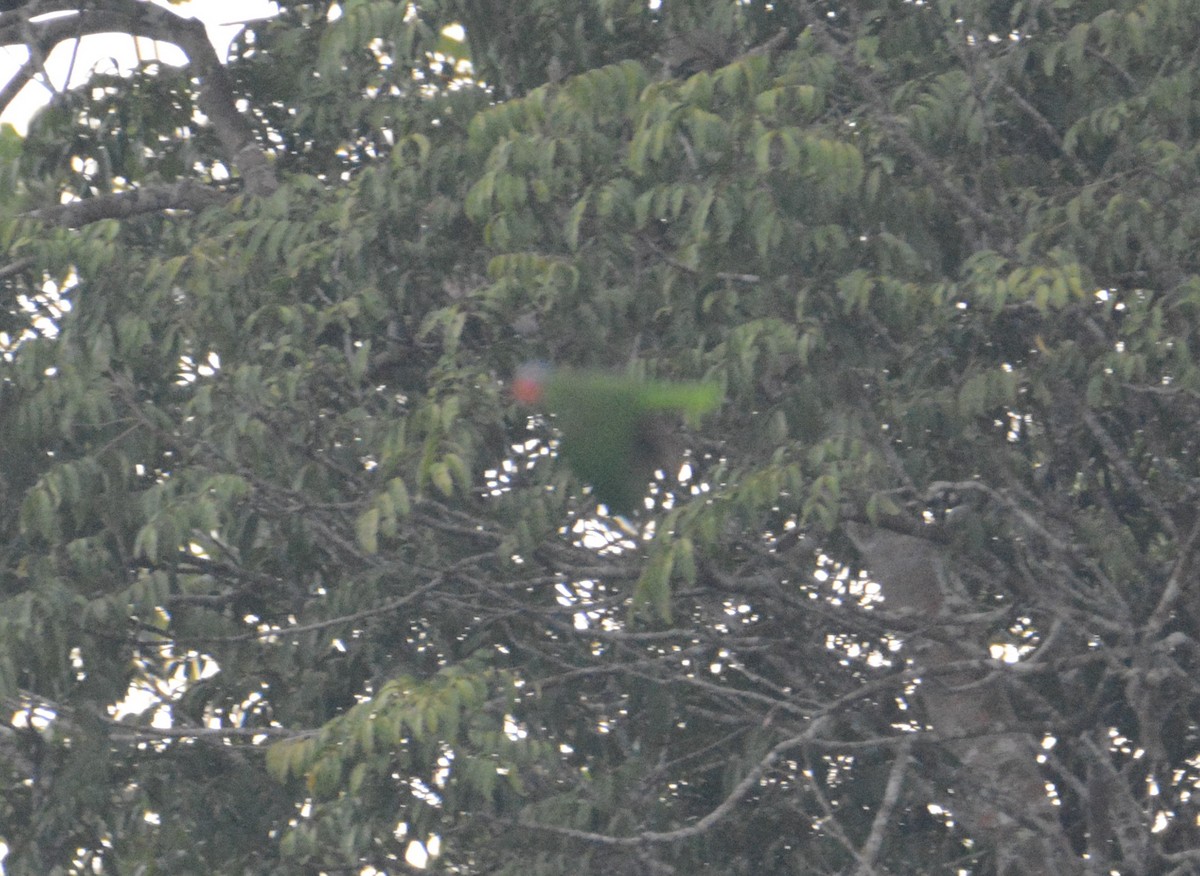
(740,790)
(1175,584)
(15,267)
(1125,469)
(185,195)
(891,795)
(215,99)
(19,80)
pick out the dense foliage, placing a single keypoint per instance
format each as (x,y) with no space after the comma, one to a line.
(290,584)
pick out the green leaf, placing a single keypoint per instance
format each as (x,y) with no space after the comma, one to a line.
(439,474)
(653,589)
(366,528)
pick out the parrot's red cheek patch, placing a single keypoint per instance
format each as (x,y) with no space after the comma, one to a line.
(529,383)
(527,390)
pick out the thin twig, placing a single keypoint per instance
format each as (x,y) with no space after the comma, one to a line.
(891,796)
(748,782)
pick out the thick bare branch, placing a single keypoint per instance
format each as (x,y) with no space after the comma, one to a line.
(19,80)
(891,796)
(185,195)
(215,97)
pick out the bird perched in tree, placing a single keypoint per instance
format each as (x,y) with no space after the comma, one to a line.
(615,429)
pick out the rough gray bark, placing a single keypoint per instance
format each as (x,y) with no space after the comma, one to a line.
(1003,797)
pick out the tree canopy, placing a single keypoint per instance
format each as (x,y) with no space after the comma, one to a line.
(289,583)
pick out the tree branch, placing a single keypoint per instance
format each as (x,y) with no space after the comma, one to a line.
(18,81)
(215,97)
(891,795)
(183,195)
(740,790)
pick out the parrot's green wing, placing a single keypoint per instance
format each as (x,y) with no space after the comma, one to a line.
(613,437)
(691,399)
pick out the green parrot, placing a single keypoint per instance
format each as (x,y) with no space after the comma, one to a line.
(615,431)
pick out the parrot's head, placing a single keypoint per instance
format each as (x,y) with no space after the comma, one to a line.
(529,383)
